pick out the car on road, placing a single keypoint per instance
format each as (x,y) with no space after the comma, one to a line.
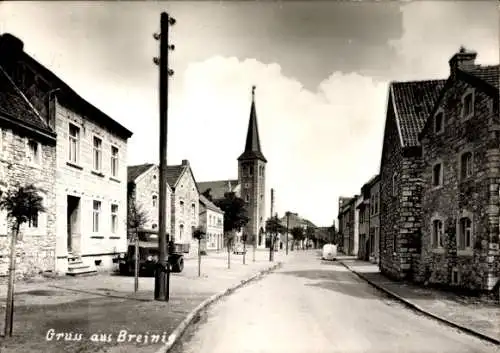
(239,249)
(329,252)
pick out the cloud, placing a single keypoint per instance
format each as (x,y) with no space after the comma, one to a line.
(318,144)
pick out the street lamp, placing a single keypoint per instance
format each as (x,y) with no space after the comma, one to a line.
(288,214)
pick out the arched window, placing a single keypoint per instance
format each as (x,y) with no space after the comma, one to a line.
(193,210)
(394,184)
(466,166)
(437,233)
(181,207)
(155,200)
(439,122)
(181,231)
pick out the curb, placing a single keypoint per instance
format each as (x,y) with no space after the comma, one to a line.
(179,330)
(423,311)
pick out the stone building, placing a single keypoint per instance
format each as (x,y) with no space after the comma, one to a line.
(461,177)
(143,191)
(27,156)
(408,105)
(347,225)
(354,242)
(374,223)
(339,238)
(251,182)
(212,220)
(91,153)
(366,238)
(184,205)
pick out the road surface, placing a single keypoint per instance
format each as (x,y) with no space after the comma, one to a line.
(314,306)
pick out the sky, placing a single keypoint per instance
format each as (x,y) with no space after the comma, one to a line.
(321,69)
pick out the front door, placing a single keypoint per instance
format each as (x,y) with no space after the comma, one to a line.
(73,224)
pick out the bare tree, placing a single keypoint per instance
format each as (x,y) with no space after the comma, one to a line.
(23,204)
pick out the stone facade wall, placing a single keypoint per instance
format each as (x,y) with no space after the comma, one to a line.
(253,192)
(36,247)
(347,219)
(147,186)
(475,196)
(82,181)
(375,222)
(185,218)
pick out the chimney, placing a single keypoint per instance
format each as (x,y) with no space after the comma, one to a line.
(462,60)
(185,162)
(10,47)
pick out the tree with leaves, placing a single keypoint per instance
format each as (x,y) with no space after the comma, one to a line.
(273,227)
(23,204)
(208,195)
(235,218)
(136,219)
(199,234)
(311,234)
(297,234)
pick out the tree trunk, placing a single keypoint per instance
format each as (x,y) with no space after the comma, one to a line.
(244,251)
(199,257)
(228,253)
(136,265)
(9,305)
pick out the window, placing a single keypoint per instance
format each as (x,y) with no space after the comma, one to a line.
(33,221)
(114,161)
(97,154)
(468,105)
(155,200)
(466,165)
(455,278)
(439,123)
(464,240)
(262,170)
(250,170)
(247,185)
(74,143)
(181,231)
(193,210)
(437,174)
(181,206)
(154,226)
(437,234)
(247,198)
(394,186)
(361,216)
(33,152)
(97,211)
(395,242)
(261,197)
(114,218)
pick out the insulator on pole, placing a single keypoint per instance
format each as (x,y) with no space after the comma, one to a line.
(156,60)
(170,72)
(171,21)
(171,47)
(157,36)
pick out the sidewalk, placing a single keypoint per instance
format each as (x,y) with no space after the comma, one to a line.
(103,306)
(470,314)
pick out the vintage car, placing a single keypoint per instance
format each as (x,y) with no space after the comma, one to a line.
(329,252)
(149,254)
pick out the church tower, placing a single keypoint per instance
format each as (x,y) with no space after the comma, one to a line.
(252,177)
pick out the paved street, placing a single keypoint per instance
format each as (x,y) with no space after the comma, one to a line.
(314,306)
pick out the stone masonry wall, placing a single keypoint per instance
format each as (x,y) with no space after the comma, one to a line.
(476,196)
(392,161)
(36,248)
(187,192)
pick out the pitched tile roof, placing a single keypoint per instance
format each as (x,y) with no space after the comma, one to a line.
(208,204)
(489,74)
(134,171)
(413,102)
(16,106)
(218,188)
(173,174)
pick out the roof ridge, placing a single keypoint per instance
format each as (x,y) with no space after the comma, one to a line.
(419,81)
(18,90)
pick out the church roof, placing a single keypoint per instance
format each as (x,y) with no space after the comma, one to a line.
(218,188)
(252,145)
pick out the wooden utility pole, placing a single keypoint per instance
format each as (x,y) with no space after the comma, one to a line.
(162,274)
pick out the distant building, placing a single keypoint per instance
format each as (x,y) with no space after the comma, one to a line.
(212,219)
(374,222)
(347,225)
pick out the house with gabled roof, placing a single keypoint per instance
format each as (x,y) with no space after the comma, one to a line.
(408,106)
(212,220)
(461,177)
(90,167)
(27,156)
(184,204)
(143,193)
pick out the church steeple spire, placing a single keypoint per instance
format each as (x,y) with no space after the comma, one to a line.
(252,145)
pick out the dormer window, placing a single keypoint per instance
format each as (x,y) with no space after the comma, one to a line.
(439,123)
(468,105)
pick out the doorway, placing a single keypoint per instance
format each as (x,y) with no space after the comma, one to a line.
(73,224)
